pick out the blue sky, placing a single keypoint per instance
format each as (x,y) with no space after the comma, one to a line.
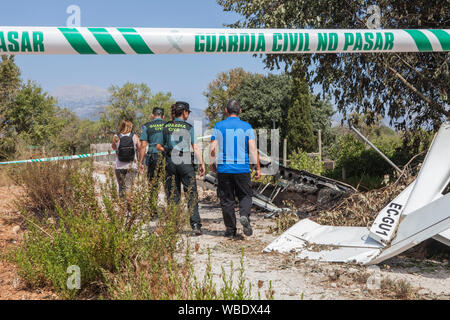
(186,76)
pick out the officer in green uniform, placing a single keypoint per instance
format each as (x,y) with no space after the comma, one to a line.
(175,141)
(149,137)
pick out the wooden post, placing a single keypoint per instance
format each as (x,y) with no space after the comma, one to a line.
(285,152)
(319,138)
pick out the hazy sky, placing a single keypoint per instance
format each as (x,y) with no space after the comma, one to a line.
(186,76)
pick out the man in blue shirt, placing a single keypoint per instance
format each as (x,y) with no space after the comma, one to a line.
(233,145)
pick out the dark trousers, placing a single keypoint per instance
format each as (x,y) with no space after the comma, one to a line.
(125,179)
(182,174)
(154,165)
(230,186)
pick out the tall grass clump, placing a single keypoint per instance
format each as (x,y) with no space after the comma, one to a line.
(45,186)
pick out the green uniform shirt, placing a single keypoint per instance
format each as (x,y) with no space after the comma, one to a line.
(150,133)
(178,135)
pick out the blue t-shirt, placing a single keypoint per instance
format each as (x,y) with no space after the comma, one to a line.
(233,136)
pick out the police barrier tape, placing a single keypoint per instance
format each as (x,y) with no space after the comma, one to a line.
(84,40)
(77,156)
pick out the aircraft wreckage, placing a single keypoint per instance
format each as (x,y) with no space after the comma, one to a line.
(421,211)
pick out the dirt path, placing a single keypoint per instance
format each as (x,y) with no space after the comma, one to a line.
(293,278)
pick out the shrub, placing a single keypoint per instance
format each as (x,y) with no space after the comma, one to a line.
(121,251)
(98,232)
(46,186)
(363,165)
(300,160)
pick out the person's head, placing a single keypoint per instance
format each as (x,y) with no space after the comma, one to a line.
(125,127)
(233,108)
(181,110)
(172,111)
(158,113)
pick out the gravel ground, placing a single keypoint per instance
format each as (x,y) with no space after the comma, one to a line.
(294,278)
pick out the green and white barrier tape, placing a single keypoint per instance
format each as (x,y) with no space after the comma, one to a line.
(77,156)
(63,40)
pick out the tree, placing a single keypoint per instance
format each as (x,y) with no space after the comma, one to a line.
(73,136)
(321,115)
(265,100)
(299,124)
(410,88)
(134,102)
(30,119)
(9,85)
(9,82)
(220,90)
(33,113)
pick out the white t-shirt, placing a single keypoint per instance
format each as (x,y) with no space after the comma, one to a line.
(131,164)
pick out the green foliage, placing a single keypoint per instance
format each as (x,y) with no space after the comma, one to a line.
(9,85)
(74,136)
(362,164)
(299,124)
(33,113)
(300,160)
(101,237)
(413,143)
(410,88)
(265,100)
(220,90)
(321,115)
(134,102)
(125,249)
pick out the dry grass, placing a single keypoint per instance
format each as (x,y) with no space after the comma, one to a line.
(360,277)
(46,186)
(400,289)
(283,222)
(360,209)
(5,180)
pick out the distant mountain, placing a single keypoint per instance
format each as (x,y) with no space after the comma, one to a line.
(87,102)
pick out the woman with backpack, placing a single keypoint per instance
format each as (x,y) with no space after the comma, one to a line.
(125,142)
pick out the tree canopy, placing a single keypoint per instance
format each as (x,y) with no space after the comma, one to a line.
(220,90)
(266,101)
(134,102)
(409,88)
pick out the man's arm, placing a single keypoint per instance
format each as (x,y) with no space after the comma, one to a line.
(160,148)
(212,155)
(198,154)
(254,156)
(160,141)
(144,145)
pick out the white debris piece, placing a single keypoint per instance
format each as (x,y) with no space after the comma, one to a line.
(387,220)
(311,240)
(420,212)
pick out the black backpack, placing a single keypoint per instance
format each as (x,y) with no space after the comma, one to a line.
(126,152)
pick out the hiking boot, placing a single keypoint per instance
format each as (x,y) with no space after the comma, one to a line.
(196,230)
(230,234)
(248,231)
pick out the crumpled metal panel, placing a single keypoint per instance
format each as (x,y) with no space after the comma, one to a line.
(311,240)
(421,210)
